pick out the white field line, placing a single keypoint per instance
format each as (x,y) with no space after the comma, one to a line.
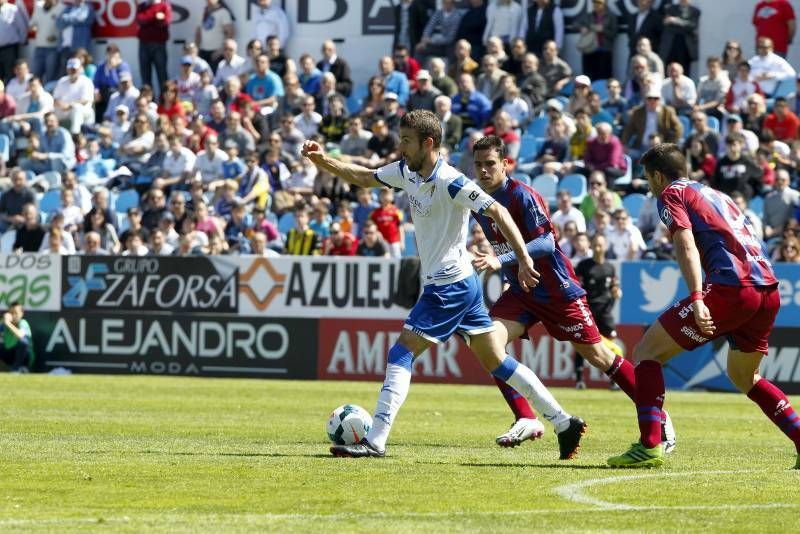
(575,493)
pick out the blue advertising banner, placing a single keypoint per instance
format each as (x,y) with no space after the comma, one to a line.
(649,288)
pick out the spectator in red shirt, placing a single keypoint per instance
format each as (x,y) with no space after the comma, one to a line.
(154,18)
(775,19)
(390,222)
(406,64)
(339,243)
(168,102)
(605,152)
(782,122)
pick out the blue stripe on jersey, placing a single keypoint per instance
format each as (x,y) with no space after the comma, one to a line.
(455,186)
(527,210)
(377,179)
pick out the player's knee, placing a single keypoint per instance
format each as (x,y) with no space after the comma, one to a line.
(597,355)
(743,378)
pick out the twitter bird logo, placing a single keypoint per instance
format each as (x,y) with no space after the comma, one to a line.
(659,292)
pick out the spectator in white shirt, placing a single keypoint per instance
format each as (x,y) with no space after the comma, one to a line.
(767,67)
(679,91)
(308,121)
(120,124)
(32,106)
(270,20)
(18,85)
(232,64)
(74,96)
(209,161)
(504,19)
(45,44)
(125,95)
(178,164)
(567,212)
(624,239)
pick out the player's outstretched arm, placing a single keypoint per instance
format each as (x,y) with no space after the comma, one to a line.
(689,261)
(528,277)
(355,174)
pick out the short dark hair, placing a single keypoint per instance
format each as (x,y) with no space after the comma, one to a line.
(14,304)
(667,159)
(491,142)
(425,123)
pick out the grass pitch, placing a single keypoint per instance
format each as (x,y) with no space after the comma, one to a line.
(86,453)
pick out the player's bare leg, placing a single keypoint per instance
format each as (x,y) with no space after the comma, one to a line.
(489,348)
(743,372)
(393,394)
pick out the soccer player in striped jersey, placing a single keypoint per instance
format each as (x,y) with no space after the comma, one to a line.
(558,302)
(739,300)
(441,199)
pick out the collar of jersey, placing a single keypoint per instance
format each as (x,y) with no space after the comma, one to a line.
(436,167)
(502,189)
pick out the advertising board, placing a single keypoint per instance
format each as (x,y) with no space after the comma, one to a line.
(150,283)
(185,344)
(31,279)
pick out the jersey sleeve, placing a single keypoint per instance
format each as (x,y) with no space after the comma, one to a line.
(535,217)
(672,210)
(468,194)
(393,175)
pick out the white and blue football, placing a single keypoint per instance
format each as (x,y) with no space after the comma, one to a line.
(348,424)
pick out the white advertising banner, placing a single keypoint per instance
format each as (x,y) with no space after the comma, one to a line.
(32,279)
(324,287)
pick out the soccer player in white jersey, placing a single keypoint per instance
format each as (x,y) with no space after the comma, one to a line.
(441,199)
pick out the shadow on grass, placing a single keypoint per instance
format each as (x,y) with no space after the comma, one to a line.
(221,454)
(563,465)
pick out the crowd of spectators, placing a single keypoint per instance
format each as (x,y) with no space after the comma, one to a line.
(96,161)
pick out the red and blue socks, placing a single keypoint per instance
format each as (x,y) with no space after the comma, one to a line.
(518,404)
(649,398)
(776,406)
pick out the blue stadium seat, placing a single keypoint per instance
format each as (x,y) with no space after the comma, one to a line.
(455,158)
(624,181)
(286,222)
(784,88)
(7,241)
(756,205)
(528,148)
(576,185)
(5,148)
(601,88)
(522,177)
(568,89)
(50,202)
(410,243)
(687,125)
(713,123)
(127,199)
(633,204)
(546,185)
(538,127)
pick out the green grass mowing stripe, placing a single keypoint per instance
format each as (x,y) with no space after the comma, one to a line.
(142,453)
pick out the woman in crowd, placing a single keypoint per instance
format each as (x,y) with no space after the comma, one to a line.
(598,63)
(373,103)
(703,162)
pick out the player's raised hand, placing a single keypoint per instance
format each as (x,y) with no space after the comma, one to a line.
(528,276)
(702,316)
(485,262)
(312,150)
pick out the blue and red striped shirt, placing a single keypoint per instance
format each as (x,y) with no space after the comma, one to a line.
(529,211)
(730,252)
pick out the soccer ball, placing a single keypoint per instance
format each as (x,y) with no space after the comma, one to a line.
(348,424)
